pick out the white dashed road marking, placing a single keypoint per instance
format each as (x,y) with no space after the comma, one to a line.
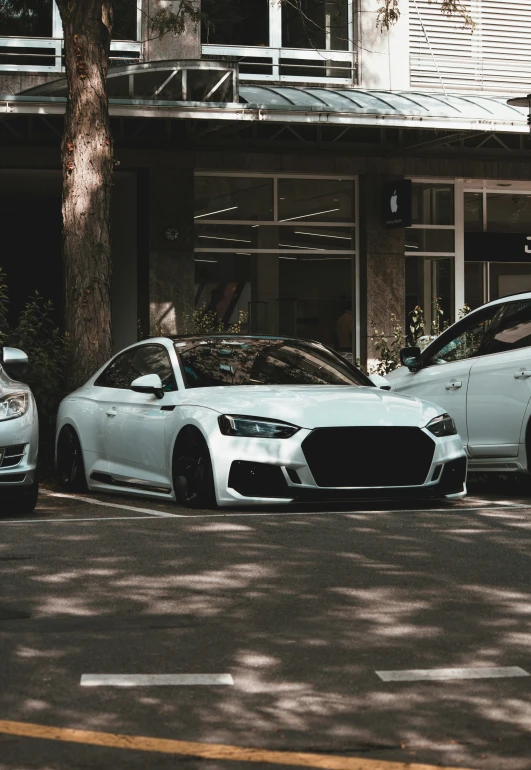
(101,503)
(441,674)
(154,680)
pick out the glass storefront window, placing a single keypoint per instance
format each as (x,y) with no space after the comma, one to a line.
(473,210)
(26,19)
(321,24)
(240,22)
(265,236)
(475,284)
(421,240)
(433,204)
(315,200)
(508,278)
(430,282)
(226,197)
(508,213)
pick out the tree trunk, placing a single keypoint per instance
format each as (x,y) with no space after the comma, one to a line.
(87,158)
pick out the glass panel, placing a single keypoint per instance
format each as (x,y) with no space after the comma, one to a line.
(430,240)
(26,19)
(508,213)
(296,237)
(473,212)
(305,296)
(124,24)
(236,22)
(315,69)
(321,24)
(509,278)
(474,284)
(430,284)
(433,204)
(218,197)
(317,200)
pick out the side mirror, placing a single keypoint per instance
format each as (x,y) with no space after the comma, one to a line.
(14,362)
(380,381)
(148,383)
(410,357)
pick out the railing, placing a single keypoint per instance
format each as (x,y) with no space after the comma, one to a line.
(290,65)
(32,54)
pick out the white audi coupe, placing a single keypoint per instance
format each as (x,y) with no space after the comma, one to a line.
(246,420)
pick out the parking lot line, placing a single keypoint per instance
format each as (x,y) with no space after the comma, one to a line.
(442,674)
(206,750)
(92,501)
(154,680)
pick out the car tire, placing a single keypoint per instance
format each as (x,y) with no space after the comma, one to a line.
(70,465)
(193,478)
(24,499)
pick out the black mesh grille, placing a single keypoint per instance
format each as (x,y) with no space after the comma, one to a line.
(12,455)
(368,457)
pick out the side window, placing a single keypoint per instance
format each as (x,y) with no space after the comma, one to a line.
(154,359)
(466,339)
(144,359)
(513,330)
(118,373)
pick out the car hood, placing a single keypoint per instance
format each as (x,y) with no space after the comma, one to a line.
(315,406)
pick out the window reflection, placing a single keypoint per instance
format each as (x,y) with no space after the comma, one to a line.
(218,197)
(321,24)
(20,19)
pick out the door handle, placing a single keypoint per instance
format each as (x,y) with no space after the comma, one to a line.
(453,385)
(111,412)
(523,374)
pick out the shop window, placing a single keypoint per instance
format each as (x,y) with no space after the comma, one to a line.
(475,288)
(317,200)
(433,204)
(430,284)
(321,24)
(430,240)
(19,19)
(473,211)
(508,213)
(218,197)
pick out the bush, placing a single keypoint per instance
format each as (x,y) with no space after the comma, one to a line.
(35,333)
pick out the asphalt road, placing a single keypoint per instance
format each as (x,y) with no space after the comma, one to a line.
(300,607)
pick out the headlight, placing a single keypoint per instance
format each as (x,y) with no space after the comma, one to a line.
(442,426)
(255,427)
(13,405)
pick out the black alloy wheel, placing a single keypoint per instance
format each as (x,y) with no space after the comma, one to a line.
(70,466)
(193,479)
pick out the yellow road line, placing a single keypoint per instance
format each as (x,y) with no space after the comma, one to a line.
(204,750)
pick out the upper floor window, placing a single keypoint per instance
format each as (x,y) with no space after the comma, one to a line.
(26,19)
(284,41)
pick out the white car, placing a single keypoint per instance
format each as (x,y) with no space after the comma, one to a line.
(235,420)
(479,371)
(19,437)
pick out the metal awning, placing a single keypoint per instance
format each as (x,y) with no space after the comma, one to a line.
(159,89)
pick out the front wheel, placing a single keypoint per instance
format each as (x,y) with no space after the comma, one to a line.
(193,479)
(70,466)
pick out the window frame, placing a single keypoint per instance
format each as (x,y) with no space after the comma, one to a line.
(277,52)
(55,44)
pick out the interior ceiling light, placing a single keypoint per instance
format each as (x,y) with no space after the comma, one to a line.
(322,235)
(219,211)
(219,238)
(303,216)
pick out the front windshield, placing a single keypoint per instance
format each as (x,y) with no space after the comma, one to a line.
(247,361)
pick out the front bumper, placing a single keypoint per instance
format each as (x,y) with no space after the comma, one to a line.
(251,471)
(19,450)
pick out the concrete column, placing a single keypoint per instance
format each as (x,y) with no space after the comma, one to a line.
(383,56)
(382,265)
(184,46)
(171,262)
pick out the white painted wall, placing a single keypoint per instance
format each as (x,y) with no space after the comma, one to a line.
(383,56)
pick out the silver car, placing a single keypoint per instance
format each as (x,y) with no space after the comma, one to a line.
(19,437)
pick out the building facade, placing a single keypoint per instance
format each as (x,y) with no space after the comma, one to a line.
(257,156)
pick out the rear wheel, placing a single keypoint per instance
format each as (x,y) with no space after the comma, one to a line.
(193,479)
(70,466)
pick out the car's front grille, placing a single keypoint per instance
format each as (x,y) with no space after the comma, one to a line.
(368,457)
(11,455)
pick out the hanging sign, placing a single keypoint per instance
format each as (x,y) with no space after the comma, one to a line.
(397,203)
(497,247)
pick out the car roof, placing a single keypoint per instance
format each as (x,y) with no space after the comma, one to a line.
(218,336)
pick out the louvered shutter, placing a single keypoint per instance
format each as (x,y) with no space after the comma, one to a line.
(495,58)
